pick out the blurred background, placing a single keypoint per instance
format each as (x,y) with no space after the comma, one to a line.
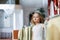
(14,14)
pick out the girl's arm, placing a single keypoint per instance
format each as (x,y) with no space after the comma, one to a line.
(44,31)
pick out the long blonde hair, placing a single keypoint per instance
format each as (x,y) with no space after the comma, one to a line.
(41,18)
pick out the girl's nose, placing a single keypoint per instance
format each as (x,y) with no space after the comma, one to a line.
(35,18)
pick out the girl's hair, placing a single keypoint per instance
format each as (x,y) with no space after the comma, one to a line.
(41,17)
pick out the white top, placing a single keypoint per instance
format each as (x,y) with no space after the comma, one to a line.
(37,32)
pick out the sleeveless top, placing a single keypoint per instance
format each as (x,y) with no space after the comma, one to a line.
(37,32)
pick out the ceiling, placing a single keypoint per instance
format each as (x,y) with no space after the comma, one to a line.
(34,3)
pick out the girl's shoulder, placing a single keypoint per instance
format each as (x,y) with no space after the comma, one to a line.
(42,25)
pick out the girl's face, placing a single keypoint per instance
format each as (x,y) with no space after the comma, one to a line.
(36,18)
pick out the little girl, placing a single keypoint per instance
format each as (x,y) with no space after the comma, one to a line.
(37,30)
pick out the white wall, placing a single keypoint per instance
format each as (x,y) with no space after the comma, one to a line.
(2,28)
(1,18)
(18,17)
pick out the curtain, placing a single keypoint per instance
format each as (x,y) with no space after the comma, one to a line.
(25,33)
